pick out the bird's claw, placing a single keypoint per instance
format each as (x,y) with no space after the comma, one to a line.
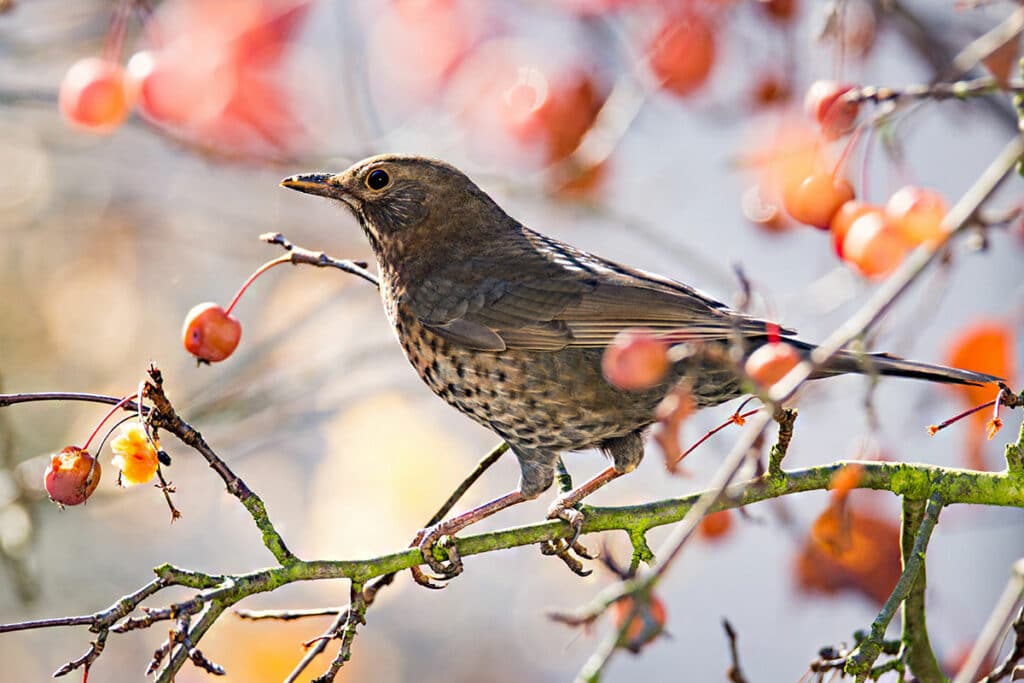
(570,515)
(426,540)
(564,549)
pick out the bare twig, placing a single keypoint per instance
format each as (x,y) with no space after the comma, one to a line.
(318,258)
(165,417)
(735,673)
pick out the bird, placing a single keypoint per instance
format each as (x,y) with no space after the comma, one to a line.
(509,326)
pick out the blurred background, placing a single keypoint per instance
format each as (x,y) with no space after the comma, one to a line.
(635,129)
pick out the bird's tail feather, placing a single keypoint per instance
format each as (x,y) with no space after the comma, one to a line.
(855,362)
(884,364)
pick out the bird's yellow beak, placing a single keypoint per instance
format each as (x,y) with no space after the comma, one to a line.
(313,183)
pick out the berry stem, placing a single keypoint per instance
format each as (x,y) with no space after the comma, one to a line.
(848,149)
(115,35)
(117,406)
(252,278)
(733,419)
(959,416)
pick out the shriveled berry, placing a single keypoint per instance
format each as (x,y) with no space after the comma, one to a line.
(134,455)
(71,476)
(816,199)
(635,360)
(210,333)
(771,362)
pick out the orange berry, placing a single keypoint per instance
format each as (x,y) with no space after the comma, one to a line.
(67,478)
(816,199)
(716,525)
(873,247)
(771,362)
(917,214)
(825,104)
(647,625)
(683,52)
(94,95)
(844,218)
(209,333)
(635,360)
(986,346)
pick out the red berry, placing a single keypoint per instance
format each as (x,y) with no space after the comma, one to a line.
(816,199)
(94,95)
(521,107)
(917,214)
(209,333)
(683,52)
(635,360)
(873,247)
(771,362)
(648,623)
(824,103)
(844,218)
(71,476)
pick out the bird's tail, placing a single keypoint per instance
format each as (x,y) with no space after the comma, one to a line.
(894,366)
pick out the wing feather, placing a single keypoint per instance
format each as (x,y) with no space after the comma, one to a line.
(557,296)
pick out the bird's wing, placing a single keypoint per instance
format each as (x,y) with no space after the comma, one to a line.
(552,296)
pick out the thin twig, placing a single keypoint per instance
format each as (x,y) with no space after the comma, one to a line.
(320,259)
(735,673)
(165,417)
(863,657)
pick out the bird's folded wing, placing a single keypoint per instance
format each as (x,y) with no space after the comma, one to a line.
(549,307)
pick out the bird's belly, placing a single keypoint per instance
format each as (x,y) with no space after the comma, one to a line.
(535,399)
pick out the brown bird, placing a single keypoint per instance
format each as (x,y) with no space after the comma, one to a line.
(509,326)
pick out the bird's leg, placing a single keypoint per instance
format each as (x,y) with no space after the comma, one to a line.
(564,507)
(560,548)
(426,539)
(626,453)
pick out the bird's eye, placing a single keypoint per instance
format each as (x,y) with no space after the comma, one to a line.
(378,180)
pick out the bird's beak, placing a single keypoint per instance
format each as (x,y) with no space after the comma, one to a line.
(314,183)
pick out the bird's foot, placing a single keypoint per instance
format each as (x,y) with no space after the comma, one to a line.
(569,550)
(445,570)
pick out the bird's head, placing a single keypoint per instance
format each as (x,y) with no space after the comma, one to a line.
(405,201)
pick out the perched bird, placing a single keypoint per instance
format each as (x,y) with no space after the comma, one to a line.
(509,326)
